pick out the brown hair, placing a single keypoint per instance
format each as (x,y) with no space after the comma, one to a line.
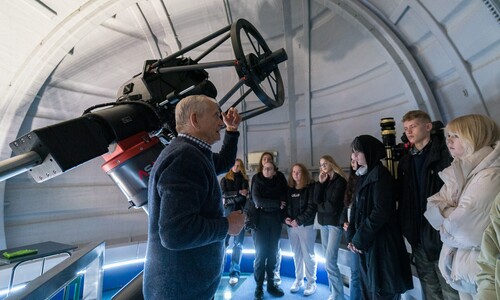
(306,176)
(416,114)
(259,169)
(350,187)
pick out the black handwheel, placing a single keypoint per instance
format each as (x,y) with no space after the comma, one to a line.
(258,64)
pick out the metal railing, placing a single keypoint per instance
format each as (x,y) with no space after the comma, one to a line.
(84,267)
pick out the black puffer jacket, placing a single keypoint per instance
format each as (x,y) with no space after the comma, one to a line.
(300,205)
(230,189)
(412,206)
(329,197)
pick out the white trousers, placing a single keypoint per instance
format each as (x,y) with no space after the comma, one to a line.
(302,240)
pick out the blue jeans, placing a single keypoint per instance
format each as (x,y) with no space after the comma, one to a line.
(354,284)
(234,269)
(330,239)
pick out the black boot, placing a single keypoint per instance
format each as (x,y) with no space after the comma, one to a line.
(259,293)
(274,289)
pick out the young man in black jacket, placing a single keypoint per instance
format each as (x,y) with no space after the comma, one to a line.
(418,179)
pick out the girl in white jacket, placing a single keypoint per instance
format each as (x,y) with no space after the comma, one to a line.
(460,209)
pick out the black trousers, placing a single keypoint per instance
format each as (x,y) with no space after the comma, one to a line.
(266,239)
(366,292)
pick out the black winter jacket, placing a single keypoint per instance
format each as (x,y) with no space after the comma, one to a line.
(415,226)
(374,230)
(258,199)
(300,205)
(230,189)
(268,194)
(329,197)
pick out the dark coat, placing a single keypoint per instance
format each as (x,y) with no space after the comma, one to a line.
(230,188)
(375,231)
(300,205)
(186,222)
(269,193)
(412,206)
(329,197)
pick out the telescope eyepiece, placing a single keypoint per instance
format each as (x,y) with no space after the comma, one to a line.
(388,131)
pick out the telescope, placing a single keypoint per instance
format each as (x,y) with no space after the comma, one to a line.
(131,132)
(394,151)
(388,131)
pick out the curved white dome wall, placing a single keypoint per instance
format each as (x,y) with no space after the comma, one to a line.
(350,64)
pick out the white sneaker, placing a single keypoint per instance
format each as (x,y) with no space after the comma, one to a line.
(296,285)
(233,280)
(330,297)
(310,289)
(277,278)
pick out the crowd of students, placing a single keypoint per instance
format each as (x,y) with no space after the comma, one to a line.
(439,200)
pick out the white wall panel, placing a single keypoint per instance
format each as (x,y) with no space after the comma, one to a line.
(453,42)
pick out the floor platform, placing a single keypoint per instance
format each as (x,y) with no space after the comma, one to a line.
(244,290)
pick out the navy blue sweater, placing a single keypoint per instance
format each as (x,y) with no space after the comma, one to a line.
(186,224)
